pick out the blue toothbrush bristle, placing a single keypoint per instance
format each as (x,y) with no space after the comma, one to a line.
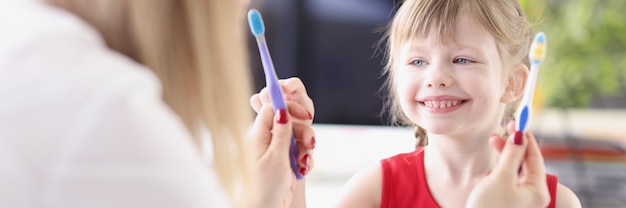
(256,22)
(523,119)
(541,37)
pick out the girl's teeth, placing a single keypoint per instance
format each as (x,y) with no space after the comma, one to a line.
(441,104)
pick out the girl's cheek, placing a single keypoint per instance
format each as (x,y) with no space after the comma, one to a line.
(406,91)
(407,84)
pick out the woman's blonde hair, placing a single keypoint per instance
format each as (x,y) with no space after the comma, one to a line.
(197,49)
(503,19)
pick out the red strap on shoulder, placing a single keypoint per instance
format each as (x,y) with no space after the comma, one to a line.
(552,182)
(399,181)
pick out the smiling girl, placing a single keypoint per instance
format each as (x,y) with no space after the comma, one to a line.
(457,70)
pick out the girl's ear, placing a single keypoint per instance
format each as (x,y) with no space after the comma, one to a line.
(515,84)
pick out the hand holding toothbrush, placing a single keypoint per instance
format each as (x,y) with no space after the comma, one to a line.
(505,186)
(283,139)
(301,110)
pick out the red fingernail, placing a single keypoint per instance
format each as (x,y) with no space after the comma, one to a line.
(303,171)
(282,116)
(305,160)
(310,116)
(313,142)
(519,138)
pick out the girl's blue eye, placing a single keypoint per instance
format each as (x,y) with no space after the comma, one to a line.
(418,62)
(461,61)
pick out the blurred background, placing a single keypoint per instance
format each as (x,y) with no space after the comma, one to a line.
(580,119)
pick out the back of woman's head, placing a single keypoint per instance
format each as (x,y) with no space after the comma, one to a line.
(196,47)
(503,19)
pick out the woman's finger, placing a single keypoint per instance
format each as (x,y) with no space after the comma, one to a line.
(282,133)
(304,134)
(305,140)
(533,163)
(295,91)
(260,133)
(306,162)
(511,159)
(295,109)
(299,112)
(510,127)
(255,102)
(264,96)
(304,159)
(497,142)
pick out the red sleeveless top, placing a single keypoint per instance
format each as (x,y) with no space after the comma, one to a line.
(404,182)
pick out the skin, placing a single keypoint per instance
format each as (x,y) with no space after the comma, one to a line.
(271,139)
(470,73)
(504,187)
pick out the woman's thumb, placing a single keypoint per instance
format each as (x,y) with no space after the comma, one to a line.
(281,132)
(512,155)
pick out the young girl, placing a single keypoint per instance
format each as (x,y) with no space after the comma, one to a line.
(457,70)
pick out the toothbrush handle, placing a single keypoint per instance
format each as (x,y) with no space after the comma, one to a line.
(293,158)
(525,110)
(278,102)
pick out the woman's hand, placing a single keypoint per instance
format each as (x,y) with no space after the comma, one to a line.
(504,187)
(271,136)
(301,107)
(298,101)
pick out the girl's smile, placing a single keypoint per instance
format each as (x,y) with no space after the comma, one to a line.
(442,104)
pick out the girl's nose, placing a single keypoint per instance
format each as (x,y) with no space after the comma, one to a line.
(438,77)
(441,84)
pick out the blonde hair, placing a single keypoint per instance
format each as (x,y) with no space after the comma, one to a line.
(197,49)
(503,19)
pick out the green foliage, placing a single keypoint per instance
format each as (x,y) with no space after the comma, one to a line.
(586,54)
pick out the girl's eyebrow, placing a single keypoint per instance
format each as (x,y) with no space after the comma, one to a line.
(463,48)
(470,49)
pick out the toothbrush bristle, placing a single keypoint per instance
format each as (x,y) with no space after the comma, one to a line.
(538,49)
(256,22)
(523,118)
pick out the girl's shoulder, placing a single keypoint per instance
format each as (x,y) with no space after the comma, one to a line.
(564,197)
(404,181)
(561,195)
(364,189)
